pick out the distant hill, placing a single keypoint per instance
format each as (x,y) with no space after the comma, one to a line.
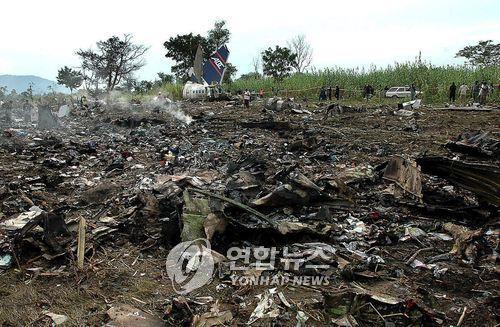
(21,83)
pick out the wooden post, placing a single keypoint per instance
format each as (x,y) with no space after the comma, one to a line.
(81,243)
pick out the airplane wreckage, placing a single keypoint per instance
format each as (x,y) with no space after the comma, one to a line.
(206,75)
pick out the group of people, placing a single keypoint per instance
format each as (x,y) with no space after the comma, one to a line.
(25,108)
(479,92)
(328,93)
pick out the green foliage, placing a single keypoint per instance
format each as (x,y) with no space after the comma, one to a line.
(173,90)
(218,36)
(278,63)
(144,87)
(70,78)
(250,76)
(28,94)
(182,50)
(129,84)
(434,81)
(115,60)
(228,74)
(165,78)
(485,53)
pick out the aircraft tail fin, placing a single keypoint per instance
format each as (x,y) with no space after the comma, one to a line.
(215,67)
(198,64)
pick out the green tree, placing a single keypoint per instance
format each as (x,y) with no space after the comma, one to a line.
(166,78)
(163,79)
(182,50)
(28,94)
(228,74)
(278,63)
(128,84)
(70,78)
(250,76)
(485,53)
(218,36)
(114,60)
(144,86)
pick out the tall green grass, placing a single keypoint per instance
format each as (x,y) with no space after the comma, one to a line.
(433,81)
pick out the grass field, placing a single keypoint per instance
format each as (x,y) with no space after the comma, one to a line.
(433,81)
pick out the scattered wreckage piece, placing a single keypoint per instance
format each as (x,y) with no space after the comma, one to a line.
(195,212)
(279,104)
(405,174)
(124,315)
(476,143)
(267,306)
(299,190)
(404,113)
(483,180)
(335,108)
(214,317)
(464,237)
(347,302)
(410,105)
(46,119)
(57,319)
(144,213)
(56,235)
(242,206)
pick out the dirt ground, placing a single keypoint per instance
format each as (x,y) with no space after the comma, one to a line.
(82,170)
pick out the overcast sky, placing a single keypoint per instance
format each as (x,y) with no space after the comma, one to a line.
(38,37)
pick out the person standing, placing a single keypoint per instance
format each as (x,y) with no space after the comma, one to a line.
(160,98)
(483,93)
(366,90)
(329,93)
(475,91)
(7,111)
(337,92)
(322,94)
(453,92)
(462,93)
(26,111)
(371,90)
(413,92)
(246,98)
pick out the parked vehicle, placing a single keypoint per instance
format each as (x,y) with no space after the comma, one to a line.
(399,92)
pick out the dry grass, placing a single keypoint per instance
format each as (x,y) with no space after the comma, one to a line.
(84,296)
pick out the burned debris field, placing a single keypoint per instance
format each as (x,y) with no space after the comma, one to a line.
(401,205)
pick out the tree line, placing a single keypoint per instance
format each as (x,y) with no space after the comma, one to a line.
(111,64)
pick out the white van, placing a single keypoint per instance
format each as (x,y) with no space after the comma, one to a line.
(399,92)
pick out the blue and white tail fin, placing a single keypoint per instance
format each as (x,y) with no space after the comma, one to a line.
(215,67)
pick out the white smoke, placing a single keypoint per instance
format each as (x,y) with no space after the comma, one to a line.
(177,113)
(171,108)
(161,103)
